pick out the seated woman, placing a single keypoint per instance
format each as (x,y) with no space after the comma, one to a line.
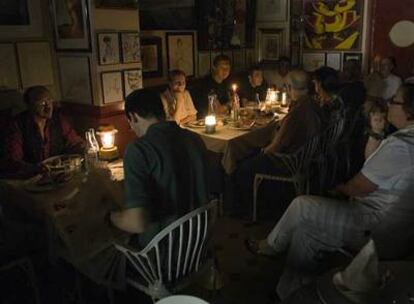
(37,134)
(177,101)
(382,192)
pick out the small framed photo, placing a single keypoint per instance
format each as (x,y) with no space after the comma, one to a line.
(108,48)
(132,80)
(333,60)
(352,56)
(130,47)
(151,52)
(270,45)
(71,25)
(112,88)
(9,72)
(313,61)
(180,52)
(203,63)
(75,79)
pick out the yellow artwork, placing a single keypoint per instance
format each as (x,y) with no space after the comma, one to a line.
(333,24)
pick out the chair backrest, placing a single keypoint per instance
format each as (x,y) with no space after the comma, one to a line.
(330,137)
(174,254)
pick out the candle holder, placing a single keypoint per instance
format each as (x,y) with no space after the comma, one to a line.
(284,100)
(210,123)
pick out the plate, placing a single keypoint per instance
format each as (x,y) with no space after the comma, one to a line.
(242,127)
(197,124)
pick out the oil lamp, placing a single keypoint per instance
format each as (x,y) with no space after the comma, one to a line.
(108,150)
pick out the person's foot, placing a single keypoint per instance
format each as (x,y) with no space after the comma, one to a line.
(260,247)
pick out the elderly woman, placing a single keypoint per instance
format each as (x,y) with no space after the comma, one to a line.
(177,101)
(382,195)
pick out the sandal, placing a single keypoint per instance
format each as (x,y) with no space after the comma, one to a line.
(253,247)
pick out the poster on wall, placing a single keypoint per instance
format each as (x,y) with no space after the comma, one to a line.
(180,51)
(75,81)
(132,81)
(108,48)
(112,89)
(130,47)
(151,53)
(333,25)
(71,24)
(313,61)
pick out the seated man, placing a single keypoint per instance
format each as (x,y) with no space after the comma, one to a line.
(299,126)
(383,192)
(253,86)
(177,101)
(279,78)
(37,134)
(215,83)
(165,170)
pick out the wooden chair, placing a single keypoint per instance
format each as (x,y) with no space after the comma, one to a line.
(174,256)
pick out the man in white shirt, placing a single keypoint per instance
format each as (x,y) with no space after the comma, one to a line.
(386,85)
(280,77)
(382,192)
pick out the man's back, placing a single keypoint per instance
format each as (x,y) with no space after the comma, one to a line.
(165,172)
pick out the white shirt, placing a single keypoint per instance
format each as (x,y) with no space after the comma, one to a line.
(181,109)
(384,88)
(273,77)
(391,168)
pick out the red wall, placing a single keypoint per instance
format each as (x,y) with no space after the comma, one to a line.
(384,15)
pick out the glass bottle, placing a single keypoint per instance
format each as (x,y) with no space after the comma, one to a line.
(235,107)
(92,149)
(212,97)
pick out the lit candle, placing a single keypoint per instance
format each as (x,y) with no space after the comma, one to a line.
(210,123)
(284,100)
(234,87)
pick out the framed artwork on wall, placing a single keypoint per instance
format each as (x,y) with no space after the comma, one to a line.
(313,61)
(112,87)
(270,45)
(328,28)
(130,47)
(203,63)
(9,72)
(132,80)
(180,52)
(108,48)
(20,19)
(71,24)
(271,10)
(333,60)
(75,79)
(35,60)
(352,56)
(151,56)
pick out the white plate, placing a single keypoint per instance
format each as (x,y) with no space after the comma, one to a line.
(243,128)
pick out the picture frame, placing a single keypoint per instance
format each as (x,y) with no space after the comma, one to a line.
(132,79)
(270,45)
(70,35)
(352,56)
(204,67)
(333,37)
(151,56)
(108,48)
(180,52)
(35,62)
(333,60)
(112,87)
(22,20)
(313,61)
(271,10)
(9,71)
(130,46)
(116,4)
(75,78)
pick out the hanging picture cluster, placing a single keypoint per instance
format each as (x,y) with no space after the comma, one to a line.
(116,48)
(116,85)
(313,61)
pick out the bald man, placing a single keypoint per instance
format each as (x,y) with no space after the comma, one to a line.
(301,123)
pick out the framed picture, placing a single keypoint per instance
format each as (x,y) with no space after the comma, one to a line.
(35,62)
(108,48)
(151,56)
(132,80)
(130,47)
(323,31)
(203,63)
(238,60)
(271,10)
(313,61)
(270,45)
(352,56)
(19,19)
(112,88)
(333,60)
(75,79)
(121,4)
(71,24)
(9,73)
(180,52)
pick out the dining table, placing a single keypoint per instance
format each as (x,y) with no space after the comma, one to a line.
(76,214)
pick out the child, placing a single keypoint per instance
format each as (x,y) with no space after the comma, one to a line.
(376,112)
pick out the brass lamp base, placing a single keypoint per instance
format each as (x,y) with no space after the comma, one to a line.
(108,154)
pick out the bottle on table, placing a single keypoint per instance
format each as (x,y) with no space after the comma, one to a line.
(212,99)
(235,107)
(92,149)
